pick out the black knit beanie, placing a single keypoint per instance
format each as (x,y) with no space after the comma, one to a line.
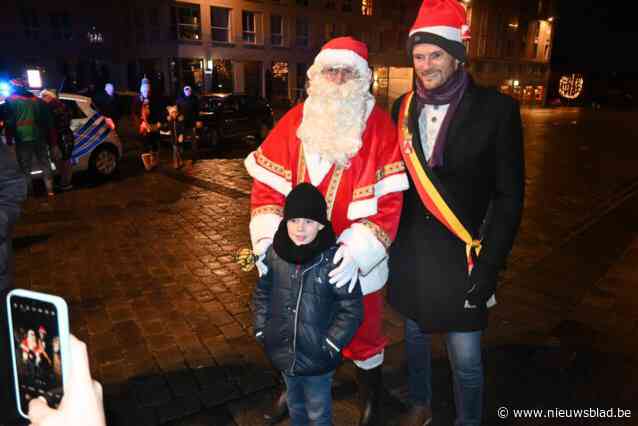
(305,201)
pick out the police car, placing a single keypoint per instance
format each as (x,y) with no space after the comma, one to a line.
(97,146)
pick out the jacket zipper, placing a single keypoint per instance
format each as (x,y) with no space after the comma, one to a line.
(294,331)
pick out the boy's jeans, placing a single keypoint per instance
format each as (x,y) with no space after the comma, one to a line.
(310,399)
(464,352)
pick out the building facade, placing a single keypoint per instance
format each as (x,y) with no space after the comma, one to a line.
(261,47)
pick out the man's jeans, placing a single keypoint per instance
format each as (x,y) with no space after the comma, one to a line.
(310,399)
(464,352)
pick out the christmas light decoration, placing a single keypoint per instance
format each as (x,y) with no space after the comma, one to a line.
(570,86)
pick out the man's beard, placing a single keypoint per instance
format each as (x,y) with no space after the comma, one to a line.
(334,118)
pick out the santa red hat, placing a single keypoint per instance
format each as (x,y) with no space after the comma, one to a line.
(345,51)
(443,23)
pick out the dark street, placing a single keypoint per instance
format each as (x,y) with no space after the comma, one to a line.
(146,262)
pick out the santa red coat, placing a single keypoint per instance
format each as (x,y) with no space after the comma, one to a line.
(364,204)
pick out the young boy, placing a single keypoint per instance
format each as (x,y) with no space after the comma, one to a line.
(175,125)
(303,321)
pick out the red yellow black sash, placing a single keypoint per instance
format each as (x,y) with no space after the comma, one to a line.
(428,192)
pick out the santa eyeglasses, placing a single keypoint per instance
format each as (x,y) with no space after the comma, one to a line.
(346,73)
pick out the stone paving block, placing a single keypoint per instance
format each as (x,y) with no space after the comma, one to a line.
(212,417)
(150,391)
(177,409)
(231,331)
(182,383)
(223,392)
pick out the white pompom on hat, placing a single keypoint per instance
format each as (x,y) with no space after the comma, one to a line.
(442,23)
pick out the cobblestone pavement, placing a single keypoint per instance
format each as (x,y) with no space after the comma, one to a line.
(146,262)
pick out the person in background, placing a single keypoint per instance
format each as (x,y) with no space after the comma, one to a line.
(188,106)
(62,148)
(147,114)
(29,125)
(13,191)
(463,147)
(175,125)
(107,103)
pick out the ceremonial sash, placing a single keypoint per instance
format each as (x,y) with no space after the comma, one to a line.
(429,194)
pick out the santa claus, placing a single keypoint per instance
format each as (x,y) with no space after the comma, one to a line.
(346,146)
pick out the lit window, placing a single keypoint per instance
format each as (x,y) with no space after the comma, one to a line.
(366,7)
(186,21)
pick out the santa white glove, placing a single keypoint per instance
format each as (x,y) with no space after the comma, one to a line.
(261,265)
(260,250)
(347,271)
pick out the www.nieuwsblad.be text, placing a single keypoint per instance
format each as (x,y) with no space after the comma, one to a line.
(564,413)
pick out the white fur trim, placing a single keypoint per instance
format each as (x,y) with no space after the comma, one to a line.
(373,362)
(316,166)
(331,57)
(376,278)
(450,33)
(265,176)
(368,207)
(364,246)
(263,226)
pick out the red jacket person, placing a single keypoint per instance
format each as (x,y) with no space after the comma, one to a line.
(346,146)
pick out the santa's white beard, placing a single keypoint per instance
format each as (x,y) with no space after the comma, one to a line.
(334,118)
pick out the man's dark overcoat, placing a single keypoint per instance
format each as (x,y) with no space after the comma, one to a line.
(482,169)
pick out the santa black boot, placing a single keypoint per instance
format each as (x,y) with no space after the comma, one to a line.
(279,409)
(370,390)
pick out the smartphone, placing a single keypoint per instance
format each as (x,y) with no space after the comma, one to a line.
(39,332)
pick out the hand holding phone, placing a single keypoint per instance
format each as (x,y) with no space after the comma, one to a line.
(39,329)
(82,403)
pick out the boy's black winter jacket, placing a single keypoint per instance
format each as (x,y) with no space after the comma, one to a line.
(304,321)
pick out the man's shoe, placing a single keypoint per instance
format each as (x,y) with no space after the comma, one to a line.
(419,415)
(279,409)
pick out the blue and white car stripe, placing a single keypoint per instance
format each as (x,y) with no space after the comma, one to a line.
(91,134)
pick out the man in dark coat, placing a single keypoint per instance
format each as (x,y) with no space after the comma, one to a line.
(107,103)
(188,107)
(13,191)
(463,147)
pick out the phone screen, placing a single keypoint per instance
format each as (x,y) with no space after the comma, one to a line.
(38,357)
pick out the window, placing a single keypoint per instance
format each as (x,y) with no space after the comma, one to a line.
(60,26)
(154,21)
(302,32)
(186,22)
(221,24)
(250,27)
(222,79)
(73,108)
(346,6)
(31,24)
(303,3)
(276,30)
(366,7)
(138,22)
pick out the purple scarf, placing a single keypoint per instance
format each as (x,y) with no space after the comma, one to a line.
(450,93)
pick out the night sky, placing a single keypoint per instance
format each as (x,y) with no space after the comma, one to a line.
(596,35)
